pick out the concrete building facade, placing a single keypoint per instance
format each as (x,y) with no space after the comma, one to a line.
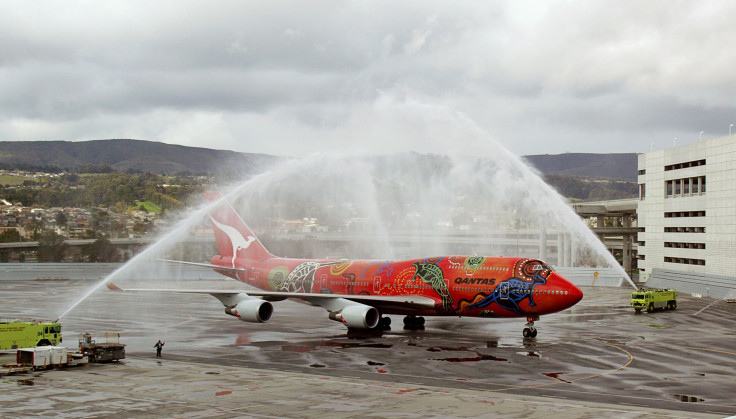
(687,209)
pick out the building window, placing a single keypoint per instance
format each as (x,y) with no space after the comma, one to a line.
(642,171)
(685,186)
(681,245)
(685,165)
(642,190)
(685,261)
(677,214)
(684,229)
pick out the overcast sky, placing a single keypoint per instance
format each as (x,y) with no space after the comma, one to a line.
(291,78)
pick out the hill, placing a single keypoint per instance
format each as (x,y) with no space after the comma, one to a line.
(575,175)
(623,166)
(123,154)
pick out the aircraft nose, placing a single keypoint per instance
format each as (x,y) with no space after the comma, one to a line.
(575,294)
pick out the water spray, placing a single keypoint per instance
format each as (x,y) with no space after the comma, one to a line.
(414,192)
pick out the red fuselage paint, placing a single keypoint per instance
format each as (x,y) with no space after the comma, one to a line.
(460,285)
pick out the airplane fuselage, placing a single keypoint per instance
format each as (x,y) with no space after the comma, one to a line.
(459,285)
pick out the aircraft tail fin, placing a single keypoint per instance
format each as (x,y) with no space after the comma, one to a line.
(234,238)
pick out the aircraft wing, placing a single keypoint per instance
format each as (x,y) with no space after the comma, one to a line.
(385,303)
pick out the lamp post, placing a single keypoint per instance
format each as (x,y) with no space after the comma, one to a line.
(729,129)
(701,135)
(674,142)
(651,147)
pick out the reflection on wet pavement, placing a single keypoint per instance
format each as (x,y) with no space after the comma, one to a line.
(598,351)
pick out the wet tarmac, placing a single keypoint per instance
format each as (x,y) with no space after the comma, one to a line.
(598,359)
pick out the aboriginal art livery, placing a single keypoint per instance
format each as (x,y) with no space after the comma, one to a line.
(362,293)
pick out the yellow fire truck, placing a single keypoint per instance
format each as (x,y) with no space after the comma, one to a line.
(654,299)
(26,334)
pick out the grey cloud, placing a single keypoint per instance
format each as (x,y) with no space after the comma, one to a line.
(539,77)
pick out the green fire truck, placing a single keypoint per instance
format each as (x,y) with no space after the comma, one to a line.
(27,334)
(654,299)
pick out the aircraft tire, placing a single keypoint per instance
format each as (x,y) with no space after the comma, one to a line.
(534,333)
(385,323)
(413,323)
(527,332)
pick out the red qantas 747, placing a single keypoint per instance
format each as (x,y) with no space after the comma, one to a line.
(359,293)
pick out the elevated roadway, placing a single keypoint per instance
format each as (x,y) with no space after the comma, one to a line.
(615,225)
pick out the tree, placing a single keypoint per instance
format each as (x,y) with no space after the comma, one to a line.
(61,219)
(10,235)
(140,227)
(101,250)
(51,247)
(35,225)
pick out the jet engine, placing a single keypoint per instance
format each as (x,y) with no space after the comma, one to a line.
(358,316)
(252,310)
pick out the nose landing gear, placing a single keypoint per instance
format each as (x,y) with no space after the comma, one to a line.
(530,331)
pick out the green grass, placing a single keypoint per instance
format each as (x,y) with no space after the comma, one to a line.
(149,206)
(14,180)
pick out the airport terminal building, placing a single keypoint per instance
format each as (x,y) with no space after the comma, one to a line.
(687,215)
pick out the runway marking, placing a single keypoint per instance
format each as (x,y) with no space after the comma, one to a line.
(703,309)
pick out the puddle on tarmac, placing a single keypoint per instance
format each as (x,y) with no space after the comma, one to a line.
(374,363)
(555,375)
(447,348)
(317,365)
(480,357)
(686,398)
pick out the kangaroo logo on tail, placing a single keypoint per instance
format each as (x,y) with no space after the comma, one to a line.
(238,241)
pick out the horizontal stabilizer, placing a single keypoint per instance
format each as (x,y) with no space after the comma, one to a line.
(204,265)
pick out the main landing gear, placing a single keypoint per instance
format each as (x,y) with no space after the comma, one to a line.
(413,323)
(384,323)
(529,330)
